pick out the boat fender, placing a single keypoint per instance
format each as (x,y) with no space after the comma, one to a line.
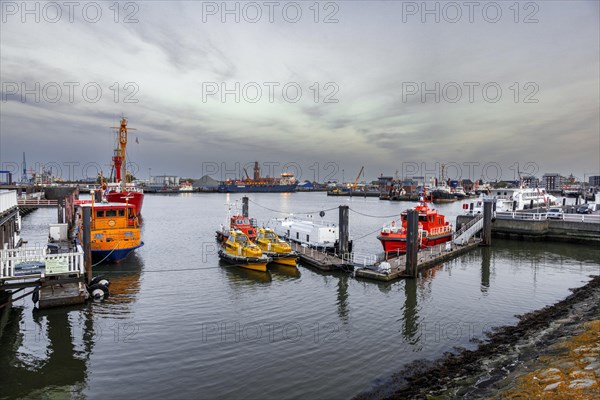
(96,279)
(98,291)
(35,296)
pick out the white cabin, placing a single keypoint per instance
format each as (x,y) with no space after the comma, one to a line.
(307,231)
(521,199)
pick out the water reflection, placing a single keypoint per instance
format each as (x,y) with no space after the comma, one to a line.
(486,257)
(410,316)
(63,370)
(239,276)
(342,298)
(284,272)
(124,278)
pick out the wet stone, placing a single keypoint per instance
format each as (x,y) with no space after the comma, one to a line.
(582,383)
(593,366)
(580,375)
(552,386)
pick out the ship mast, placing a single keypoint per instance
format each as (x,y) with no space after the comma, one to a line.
(119,155)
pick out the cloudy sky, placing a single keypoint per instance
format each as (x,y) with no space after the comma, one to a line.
(320,87)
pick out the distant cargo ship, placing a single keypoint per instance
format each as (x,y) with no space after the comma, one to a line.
(287,183)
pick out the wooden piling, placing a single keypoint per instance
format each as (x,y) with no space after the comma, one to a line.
(87,250)
(412,242)
(487,223)
(344,234)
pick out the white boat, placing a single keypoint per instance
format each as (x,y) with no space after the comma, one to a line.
(515,199)
(307,231)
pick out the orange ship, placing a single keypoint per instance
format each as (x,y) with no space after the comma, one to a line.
(433,229)
(120,191)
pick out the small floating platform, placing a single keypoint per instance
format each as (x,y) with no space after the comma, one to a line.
(318,259)
(427,258)
(62,294)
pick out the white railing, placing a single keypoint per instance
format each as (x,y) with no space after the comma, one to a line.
(590,218)
(38,202)
(360,259)
(50,264)
(521,215)
(8,200)
(469,231)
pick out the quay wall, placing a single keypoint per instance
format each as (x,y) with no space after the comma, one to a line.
(550,230)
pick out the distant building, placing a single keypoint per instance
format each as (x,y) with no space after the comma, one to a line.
(531,181)
(164,180)
(553,181)
(595,181)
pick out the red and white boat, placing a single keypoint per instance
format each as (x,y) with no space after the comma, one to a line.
(237,223)
(433,229)
(120,191)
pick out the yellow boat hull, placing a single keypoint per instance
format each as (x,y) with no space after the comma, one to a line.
(288,261)
(255,266)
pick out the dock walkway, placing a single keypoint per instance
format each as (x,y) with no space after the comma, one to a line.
(426,258)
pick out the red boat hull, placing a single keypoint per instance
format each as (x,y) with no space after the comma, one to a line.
(134,198)
(397,243)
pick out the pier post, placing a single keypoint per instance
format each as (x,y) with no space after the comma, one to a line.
(487,223)
(87,251)
(412,242)
(343,222)
(245,206)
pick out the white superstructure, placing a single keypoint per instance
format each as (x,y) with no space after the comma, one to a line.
(307,231)
(515,199)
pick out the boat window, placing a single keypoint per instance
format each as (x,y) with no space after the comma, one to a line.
(121,213)
(423,218)
(98,236)
(270,235)
(241,239)
(246,221)
(128,234)
(99,214)
(129,213)
(111,213)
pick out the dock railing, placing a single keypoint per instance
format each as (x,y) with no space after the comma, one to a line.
(50,264)
(590,218)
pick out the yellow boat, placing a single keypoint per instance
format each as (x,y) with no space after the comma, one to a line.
(239,250)
(274,247)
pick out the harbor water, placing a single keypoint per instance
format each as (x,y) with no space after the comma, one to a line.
(179,324)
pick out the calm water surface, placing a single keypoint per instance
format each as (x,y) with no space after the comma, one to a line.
(179,324)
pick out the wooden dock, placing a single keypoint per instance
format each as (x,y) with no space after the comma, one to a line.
(426,258)
(318,259)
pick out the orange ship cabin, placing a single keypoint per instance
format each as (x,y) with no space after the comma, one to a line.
(115,231)
(244,224)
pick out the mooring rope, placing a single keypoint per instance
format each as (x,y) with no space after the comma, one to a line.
(287,212)
(108,255)
(373,216)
